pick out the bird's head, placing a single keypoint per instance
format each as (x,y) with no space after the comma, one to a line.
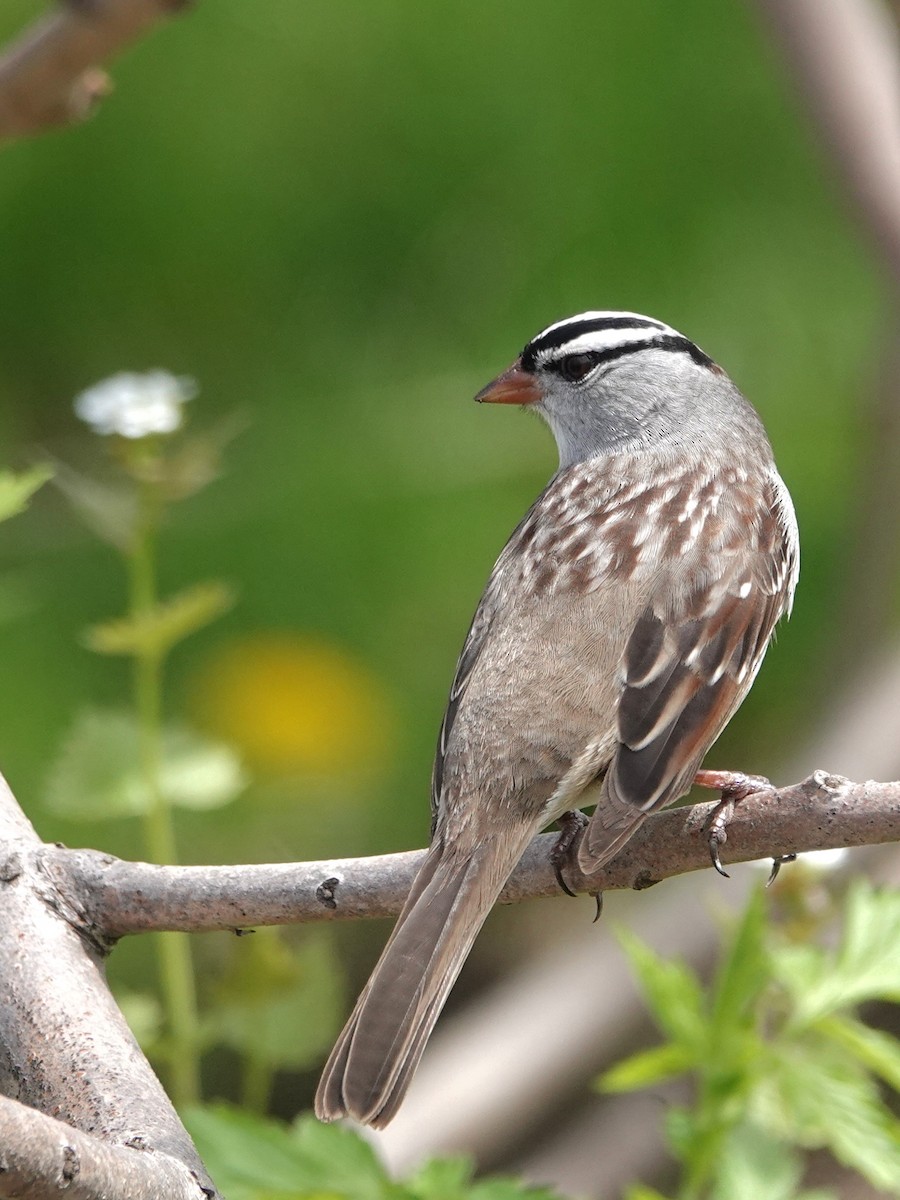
(614,381)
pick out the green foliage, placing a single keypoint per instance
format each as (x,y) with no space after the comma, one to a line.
(277,1006)
(98,774)
(17,488)
(256,1159)
(779,1060)
(164,625)
(865,965)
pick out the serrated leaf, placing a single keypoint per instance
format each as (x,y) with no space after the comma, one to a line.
(866,965)
(337,1159)
(828,1100)
(17,488)
(646,1068)
(441,1179)
(169,622)
(252,1157)
(278,1005)
(97,773)
(672,992)
(754,1165)
(876,1050)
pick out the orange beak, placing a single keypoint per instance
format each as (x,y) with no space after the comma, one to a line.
(514,386)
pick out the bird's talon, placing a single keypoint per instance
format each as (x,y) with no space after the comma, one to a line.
(598,898)
(564,887)
(714,844)
(776,866)
(717,832)
(571,826)
(734,787)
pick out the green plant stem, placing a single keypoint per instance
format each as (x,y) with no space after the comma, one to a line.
(176,967)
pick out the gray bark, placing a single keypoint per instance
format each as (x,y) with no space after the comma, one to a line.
(66,1052)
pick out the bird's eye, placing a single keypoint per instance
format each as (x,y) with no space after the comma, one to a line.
(575,367)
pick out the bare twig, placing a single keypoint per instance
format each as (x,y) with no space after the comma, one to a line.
(106,897)
(51,76)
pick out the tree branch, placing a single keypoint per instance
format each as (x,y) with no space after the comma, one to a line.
(42,1159)
(67,1053)
(105,897)
(51,76)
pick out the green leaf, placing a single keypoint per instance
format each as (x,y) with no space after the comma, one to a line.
(681,1130)
(672,993)
(155,633)
(742,975)
(279,1005)
(255,1158)
(336,1159)
(866,965)
(504,1188)
(17,488)
(878,1051)
(827,1099)
(646,1068)
(252,1158)
(97,773)
(754,1165)
(640,1191)
(441,1179)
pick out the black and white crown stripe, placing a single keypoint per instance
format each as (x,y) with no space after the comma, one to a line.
(606,336)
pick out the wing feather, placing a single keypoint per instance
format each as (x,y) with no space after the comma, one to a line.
(687,666)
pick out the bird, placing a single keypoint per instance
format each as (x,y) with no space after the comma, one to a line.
(620,628)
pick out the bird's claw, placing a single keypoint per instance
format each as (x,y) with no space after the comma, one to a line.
(734,786)
(776,866)
(571,826)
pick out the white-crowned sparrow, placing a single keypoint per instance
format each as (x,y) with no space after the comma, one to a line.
(621,627)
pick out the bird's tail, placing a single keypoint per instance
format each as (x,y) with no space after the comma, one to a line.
(371,1065)
(614,821)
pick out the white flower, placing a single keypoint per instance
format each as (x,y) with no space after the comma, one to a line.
(135,405)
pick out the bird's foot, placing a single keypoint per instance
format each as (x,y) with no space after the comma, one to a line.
(571,826)
(735,786)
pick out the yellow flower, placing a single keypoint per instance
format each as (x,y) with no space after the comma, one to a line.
(296,703)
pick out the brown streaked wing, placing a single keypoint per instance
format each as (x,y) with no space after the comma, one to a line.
(685,673)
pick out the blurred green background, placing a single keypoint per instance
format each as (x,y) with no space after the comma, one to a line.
(342,220)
